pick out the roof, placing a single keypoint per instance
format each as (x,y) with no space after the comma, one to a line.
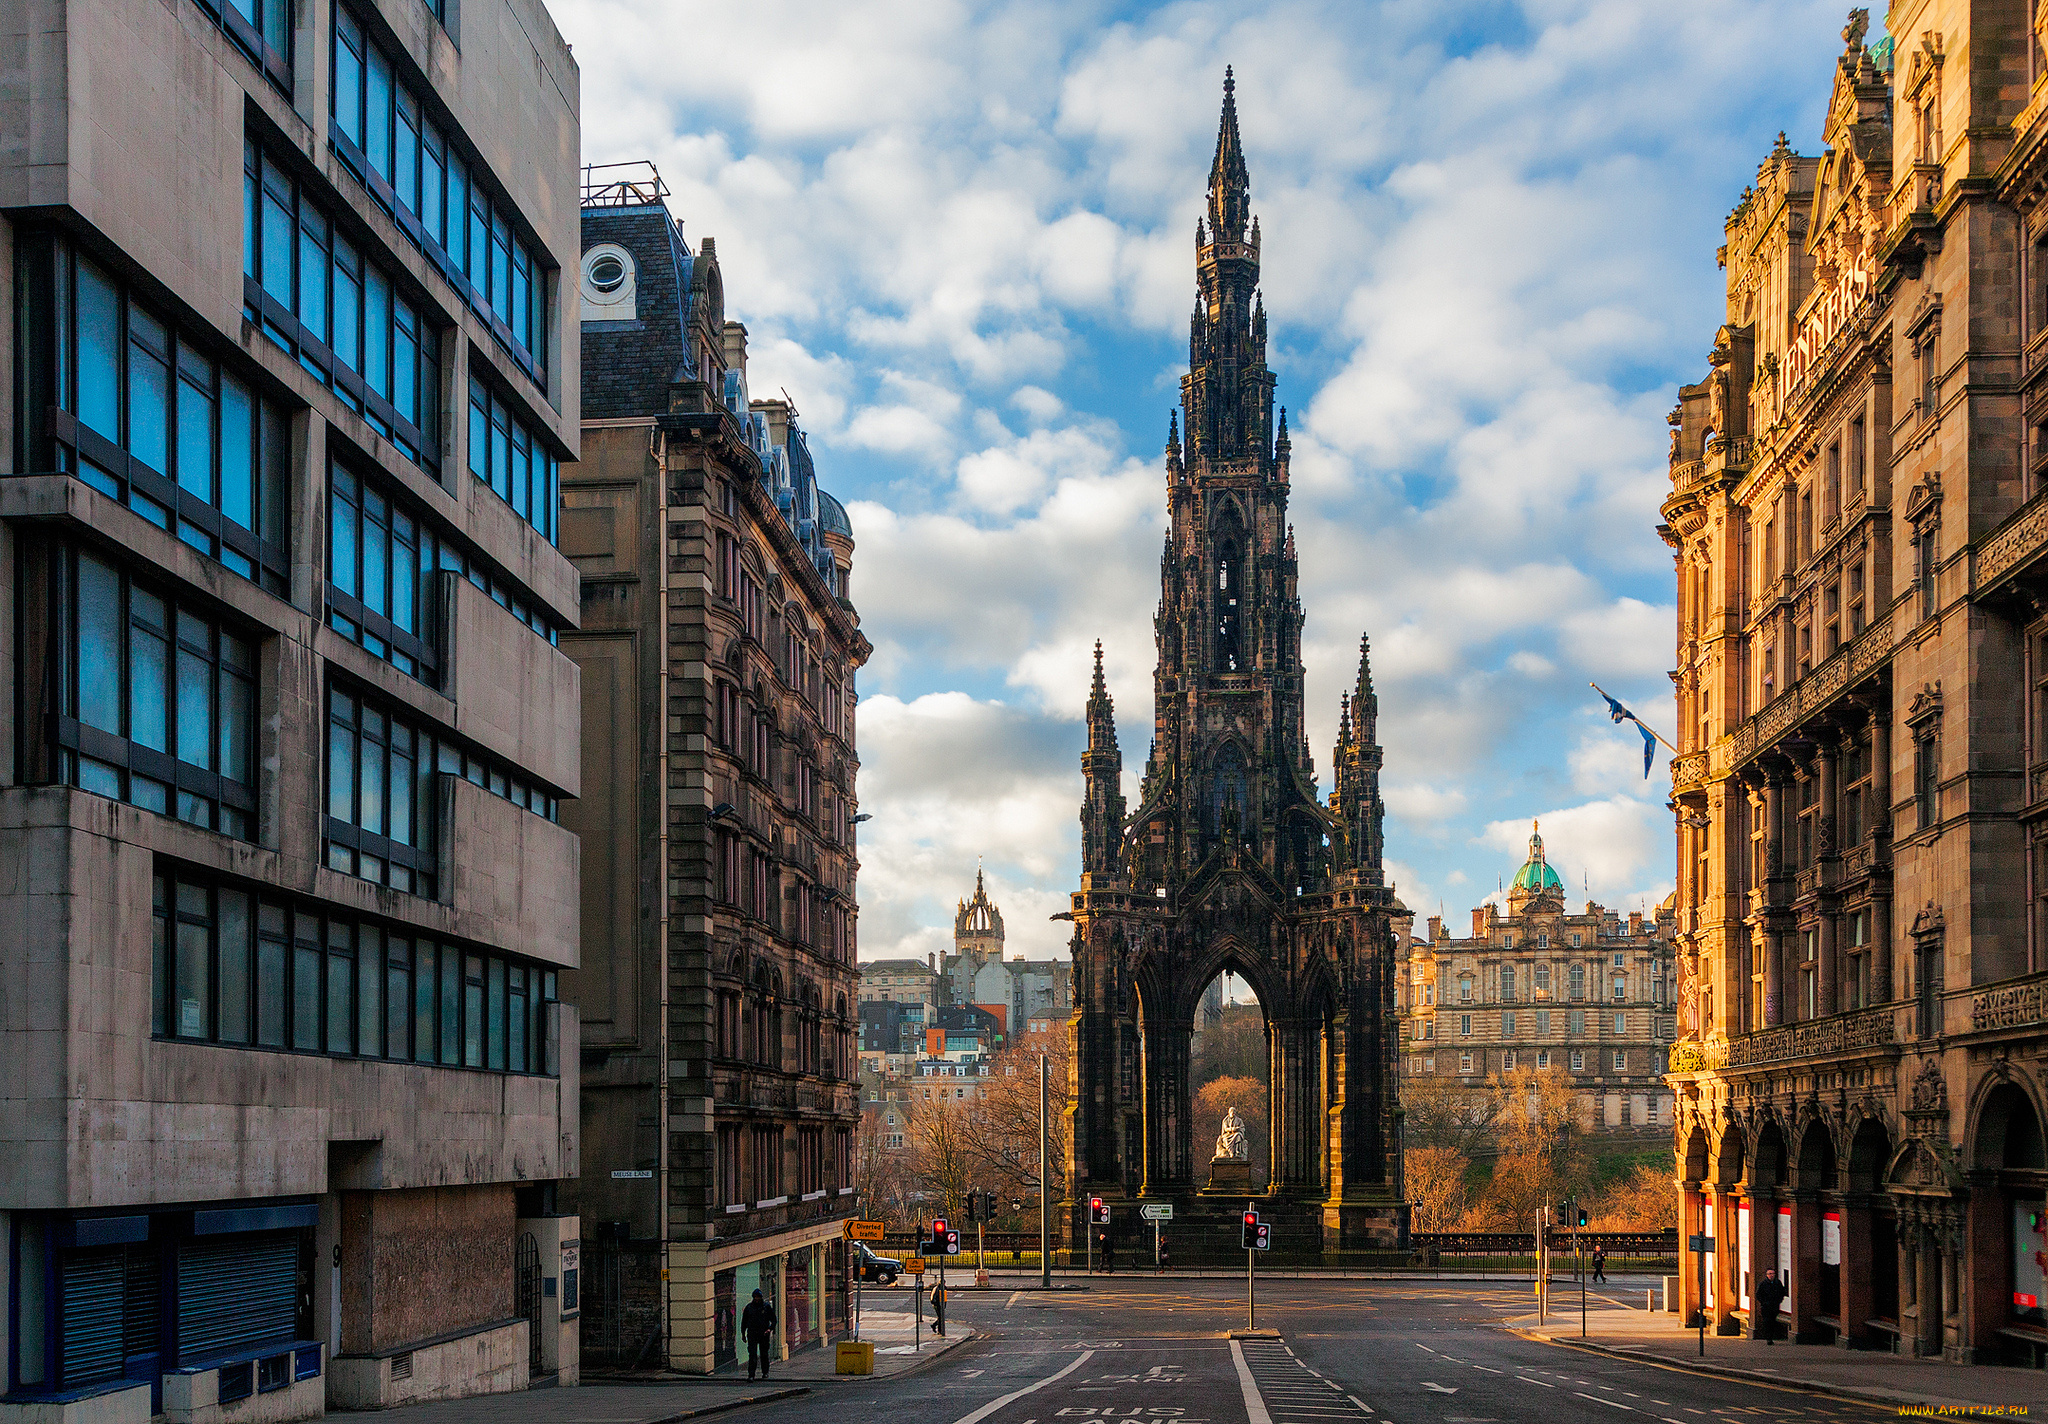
(832,516)
(1536,877)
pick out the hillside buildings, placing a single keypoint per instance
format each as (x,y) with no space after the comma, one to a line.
(1861,524)
(718,650)
(286,897)
(1590,995)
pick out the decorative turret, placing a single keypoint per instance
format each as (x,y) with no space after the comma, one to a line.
(1357,797)
(1102,768)
(1228,392)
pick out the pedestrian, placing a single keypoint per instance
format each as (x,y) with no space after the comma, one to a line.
(938,1307)
(1162,1255)
(1599,1263)
(1108,1252)
(1770,1294)
(757,1323)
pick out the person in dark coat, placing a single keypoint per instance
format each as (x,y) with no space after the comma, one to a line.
(757,1325)
(1107,1250)
(1770,1294)
(1599,1263)
(938,1307)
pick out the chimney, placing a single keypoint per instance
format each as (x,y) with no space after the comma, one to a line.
(1479,921)
(1635,922)
(1436,928)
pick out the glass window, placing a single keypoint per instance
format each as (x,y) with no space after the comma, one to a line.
(342,315)
(156,703)
(380,820)
(385,132)
(262,30)
(509,457)
(146,417)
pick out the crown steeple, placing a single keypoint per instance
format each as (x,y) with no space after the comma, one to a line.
(1230,182)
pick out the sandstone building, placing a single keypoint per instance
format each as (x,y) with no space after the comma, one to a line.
(718,651)
(285,893)
(1860,526)
(1590,995)
(1232,859)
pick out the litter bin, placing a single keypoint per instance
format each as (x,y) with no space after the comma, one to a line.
(855,1357)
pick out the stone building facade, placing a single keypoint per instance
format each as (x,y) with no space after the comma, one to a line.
(285,895)
(1026,995)
(719,992)
(1857,511)
(1590,995)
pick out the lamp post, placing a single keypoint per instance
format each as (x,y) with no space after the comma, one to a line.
(1044,1189)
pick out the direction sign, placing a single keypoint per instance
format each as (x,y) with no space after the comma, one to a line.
(914,1266)
(1156,1211)
(864,1230)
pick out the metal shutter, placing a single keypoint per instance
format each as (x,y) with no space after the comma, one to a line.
(90,1284)
(237,1294)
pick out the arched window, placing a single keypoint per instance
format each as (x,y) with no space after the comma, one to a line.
(1229,589)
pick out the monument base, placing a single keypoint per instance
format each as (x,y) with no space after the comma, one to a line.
(1229,1177)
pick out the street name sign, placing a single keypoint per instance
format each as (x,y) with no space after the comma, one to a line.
(1156,1211)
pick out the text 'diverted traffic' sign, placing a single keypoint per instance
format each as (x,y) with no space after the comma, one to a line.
(1156,1211)
(864,1231)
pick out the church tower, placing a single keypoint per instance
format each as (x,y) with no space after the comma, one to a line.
(1232,858)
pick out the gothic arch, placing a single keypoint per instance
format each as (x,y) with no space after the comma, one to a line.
(1815,1169)
(1729,1155)
(1227,951)
(2005,1126)
(1693,1160)
(1767,1160)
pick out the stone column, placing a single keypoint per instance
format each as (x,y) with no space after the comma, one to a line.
(1804,1302)
(1763,1250)
(1856,1253)
(1829,970)
(1169,1109)
(1774,931)
(1983,1301)
(1927,1334)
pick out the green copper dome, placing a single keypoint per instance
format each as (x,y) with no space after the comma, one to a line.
(1536,877)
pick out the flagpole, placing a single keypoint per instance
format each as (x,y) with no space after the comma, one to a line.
(1638,721)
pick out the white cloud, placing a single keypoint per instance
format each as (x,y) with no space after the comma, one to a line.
(962,239)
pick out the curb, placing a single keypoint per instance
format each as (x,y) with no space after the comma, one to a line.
(1735,1372)
(724,1405)
(922,1362)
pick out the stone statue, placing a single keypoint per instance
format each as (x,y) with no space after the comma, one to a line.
(1230,1143)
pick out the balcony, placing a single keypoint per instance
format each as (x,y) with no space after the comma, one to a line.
(1839,1036)
(2003,557)
(2012,1006)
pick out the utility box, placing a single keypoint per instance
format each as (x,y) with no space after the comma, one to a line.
(855,1357)
(1671,1295)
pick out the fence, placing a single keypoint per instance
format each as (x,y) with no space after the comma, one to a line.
(1653,1252)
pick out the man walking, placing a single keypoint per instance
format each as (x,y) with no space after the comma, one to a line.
(938,1307)
(1770,1294)
(1108,1249)
(1600,1263)
(757,1324)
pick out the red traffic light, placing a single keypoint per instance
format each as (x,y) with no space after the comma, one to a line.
(1251,1218)
(939,1227)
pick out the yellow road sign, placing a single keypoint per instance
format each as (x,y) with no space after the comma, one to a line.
(915,1265)
(864,1231)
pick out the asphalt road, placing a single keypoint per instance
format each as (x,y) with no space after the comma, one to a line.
(1145,1350)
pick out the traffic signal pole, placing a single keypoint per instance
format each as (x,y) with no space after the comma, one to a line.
(1251,1295)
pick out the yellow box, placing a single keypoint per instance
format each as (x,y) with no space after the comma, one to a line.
(855,1357)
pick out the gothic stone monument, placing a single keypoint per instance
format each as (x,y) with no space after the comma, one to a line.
(1232,859)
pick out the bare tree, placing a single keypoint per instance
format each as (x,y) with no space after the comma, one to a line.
(1436,1182)
(1442,1112)
(1001,1124)
(942,1155)
(1540,1125)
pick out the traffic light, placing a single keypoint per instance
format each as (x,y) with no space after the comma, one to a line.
(1098,1212)
(1262,1237)
(937,1241)
(1253,1236)
(1582,1217)
(949,1243)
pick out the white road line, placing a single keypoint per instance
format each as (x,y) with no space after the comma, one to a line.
(1526,1380)
(1608,1402)
(1489,1370)
(1015,1296)
(1359,1402)
(1254,1406)
(1014,1395)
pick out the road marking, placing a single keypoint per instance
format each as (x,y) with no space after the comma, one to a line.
(1440,1388)
(1254,1406)
(1526,1380)
(1013,1396)
(1611,1404)
(1015,1296)
(1359,1402)
(1489,1370)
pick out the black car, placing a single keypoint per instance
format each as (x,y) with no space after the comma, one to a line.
(879,1270)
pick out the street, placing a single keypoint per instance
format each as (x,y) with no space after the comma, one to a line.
(1393,1352)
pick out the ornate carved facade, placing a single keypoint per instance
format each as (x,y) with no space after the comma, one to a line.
(1857,511)
(1232,859)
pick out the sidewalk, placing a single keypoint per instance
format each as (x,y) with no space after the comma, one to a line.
(1849,1374)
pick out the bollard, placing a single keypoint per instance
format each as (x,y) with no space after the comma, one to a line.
(1650,1301)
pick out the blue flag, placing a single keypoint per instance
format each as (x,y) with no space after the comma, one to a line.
(1620,713)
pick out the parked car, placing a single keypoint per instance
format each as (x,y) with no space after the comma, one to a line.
(879,1270)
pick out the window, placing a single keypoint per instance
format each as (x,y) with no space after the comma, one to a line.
(1923,566)
(386,133)
(1809,973)
(1575,941)
(1927,776)
(1543,941)
(1578,1061)
(232,965)
(1429,1065)
(1507,1061)
(382,590)
(1542,1022)
(156,700)
(319,296)
(1507,1024)
(1621,1023)
(1577,979)
(1465,989)
(1577,1023)
(262,30)
(1465,1025)
(1543,978)
(1620,961)
(1465,1063)
(506,454)
(1542,1058)
(139,412)
(1507,983)
(1620,988)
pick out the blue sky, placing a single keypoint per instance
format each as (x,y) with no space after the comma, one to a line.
(961,238)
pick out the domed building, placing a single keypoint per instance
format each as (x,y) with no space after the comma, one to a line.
(1591,995)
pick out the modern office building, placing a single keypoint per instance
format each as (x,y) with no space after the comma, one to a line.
(718,648)
(285,897)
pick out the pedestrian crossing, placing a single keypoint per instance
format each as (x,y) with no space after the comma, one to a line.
(1287,1391)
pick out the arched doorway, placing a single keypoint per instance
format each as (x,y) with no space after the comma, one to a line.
(1230,1069)
(2011,1219)
(1870,1236)
(1767,1235)
(1816,1235)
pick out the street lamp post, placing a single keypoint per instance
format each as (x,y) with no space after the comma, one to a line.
(1044,1188)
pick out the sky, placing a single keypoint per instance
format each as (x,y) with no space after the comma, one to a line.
(961,237)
